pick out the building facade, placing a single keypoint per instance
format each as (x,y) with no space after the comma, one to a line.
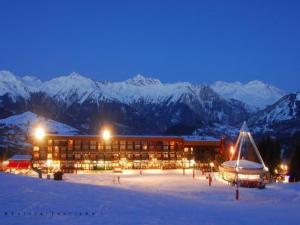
(92,152)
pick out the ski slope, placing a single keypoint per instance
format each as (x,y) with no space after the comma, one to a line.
(153,198)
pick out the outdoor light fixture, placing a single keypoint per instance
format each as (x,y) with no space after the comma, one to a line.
(231,150)
(106,134)
(49,162)
(39,133)
(283,167)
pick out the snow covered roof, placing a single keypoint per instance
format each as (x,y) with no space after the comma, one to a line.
(185,138)
(21,158)
(200,138)
(243,164)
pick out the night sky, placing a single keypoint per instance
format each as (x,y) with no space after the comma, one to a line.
(195,41)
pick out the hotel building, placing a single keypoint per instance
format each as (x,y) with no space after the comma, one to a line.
(91,152)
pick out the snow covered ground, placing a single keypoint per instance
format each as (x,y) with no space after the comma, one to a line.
(156,197)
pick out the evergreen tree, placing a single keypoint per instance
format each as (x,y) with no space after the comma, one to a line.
(270,151)
(295,164)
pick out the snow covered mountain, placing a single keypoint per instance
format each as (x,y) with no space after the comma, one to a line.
(283,117)
(12,86)
(137,105)
(15,130)
(255,93)
(27,121)
(78,88)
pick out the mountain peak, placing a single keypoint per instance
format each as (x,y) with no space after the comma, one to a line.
(255,93)
(8,76)
(76,76)
(141,80)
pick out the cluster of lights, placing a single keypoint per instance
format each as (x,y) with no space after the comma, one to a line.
(283,167)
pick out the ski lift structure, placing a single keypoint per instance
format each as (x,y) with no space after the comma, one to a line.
(246,166)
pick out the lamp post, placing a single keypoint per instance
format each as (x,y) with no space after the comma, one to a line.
(211,164)
(106,136)
(237,194)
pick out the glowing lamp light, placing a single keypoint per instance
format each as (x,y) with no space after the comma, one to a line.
(39,133)
(106,134)
(231,150)
(49,163)
(211,164)
(283,167)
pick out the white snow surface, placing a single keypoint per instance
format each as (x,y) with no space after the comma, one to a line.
(255,93)
(76,87)
(28,120)
(154,198)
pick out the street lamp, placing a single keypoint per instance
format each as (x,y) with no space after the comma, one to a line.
(231,151)
(106,134)
(39,133)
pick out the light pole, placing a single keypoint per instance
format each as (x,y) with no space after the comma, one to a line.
(211,164)
(237,194)
(106,136)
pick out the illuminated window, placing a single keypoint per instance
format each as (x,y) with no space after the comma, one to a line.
(144,145)
(137,145)
(85,145)
(36,148)
(100,146)
(36,155)
(122,145)
(107,146)
(129,145)
(116,145)
(93,145)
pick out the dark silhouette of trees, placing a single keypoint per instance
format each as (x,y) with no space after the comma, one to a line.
(270,151)
(294,168)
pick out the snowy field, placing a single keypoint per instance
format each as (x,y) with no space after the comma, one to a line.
(156,197)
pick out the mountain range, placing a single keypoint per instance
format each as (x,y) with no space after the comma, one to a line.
(144,105)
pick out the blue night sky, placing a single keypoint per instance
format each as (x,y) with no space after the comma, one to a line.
(195,41)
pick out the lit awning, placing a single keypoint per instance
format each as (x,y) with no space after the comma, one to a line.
(18,165)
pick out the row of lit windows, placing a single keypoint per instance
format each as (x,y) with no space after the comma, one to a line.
(115,143)
(57,149)
(78,156)
(109,147)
